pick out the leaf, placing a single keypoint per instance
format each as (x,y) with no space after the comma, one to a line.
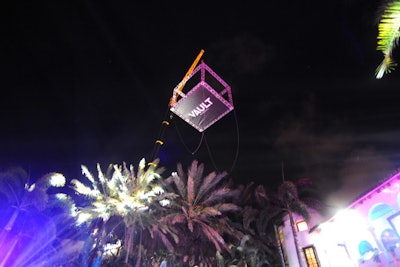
(12,184)
(175,218)
(388,37)
(190,225)
(198,177)
(88,175)
(249,216)
(210,211)
(217,195)
(261,195)
(102,180)
(180,185)
(37,198)
(190,189)
(80,188)
(228,207)
(166,242)
(208,184)
(213,236)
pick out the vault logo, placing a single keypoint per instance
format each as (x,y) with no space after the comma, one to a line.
(200,109)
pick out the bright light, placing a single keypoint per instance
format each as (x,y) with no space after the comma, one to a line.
(57,180)
(302,226)
(165,202)
(123,194)
(112,249)
(83,217)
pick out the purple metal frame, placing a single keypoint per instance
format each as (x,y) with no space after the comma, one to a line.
(222,101)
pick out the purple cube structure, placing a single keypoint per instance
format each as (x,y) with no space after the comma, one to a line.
(208,101)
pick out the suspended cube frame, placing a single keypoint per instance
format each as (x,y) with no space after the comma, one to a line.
(208,101)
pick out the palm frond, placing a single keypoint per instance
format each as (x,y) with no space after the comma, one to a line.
(214,236)
(209,183)
(301,209)
(218,194)
(88,174)
(52,179)
(288,191)
(198,178)
(210,211)
(102,180)
(36,198)
(249,216)
(12,184)
(175,218)
(190,189)
(180,172)
(261,195)
(83,189)
(62,201)
(388,36)
(228,207)
(179,184)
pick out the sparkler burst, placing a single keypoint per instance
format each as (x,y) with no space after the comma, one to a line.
(119,192)
(122,193)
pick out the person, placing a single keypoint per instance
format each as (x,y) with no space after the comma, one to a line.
(376,256)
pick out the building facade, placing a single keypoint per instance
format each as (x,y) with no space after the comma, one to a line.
(364,234)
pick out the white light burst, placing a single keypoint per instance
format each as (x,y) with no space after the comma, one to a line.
(122,193)
(57,180)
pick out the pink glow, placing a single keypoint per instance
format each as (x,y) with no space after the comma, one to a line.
(390,185)
(373,219)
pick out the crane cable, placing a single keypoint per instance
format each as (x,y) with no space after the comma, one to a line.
(172,102)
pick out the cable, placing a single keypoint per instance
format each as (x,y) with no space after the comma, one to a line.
(237,147)
(159,141)
(184,144)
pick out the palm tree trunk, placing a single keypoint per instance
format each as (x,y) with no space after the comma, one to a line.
(10,250)
(11,221)
(139,255)
(128,242)
(4,234)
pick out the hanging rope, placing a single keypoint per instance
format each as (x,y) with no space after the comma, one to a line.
(237,147)
(184,143)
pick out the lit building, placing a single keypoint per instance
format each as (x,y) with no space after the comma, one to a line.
(364,234)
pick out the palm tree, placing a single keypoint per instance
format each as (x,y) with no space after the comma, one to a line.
(123,196)
(199,213)
(248,253)
(25,209)
(259,216)
(389,33)
(289,202)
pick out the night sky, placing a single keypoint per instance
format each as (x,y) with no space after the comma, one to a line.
(86,82)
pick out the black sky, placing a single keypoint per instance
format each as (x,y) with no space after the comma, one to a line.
(89,81)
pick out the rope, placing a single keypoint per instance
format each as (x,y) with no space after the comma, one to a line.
(237,147)
(184,144)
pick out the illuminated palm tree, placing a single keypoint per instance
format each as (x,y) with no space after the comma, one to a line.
(289,202)
(388,37)
(26,203)
(200,213)
(132,197)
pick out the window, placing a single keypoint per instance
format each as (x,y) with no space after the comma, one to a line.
(302,226)
(311,256)
(282,244)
